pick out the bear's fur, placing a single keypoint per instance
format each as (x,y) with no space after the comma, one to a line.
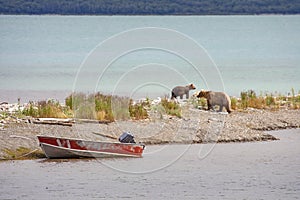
(216,98)
(182,90)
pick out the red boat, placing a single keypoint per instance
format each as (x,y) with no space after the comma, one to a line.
(58,147)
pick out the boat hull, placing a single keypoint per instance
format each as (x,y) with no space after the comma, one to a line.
(57,147)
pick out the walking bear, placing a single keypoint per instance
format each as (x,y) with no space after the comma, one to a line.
(216,98)
(182,90)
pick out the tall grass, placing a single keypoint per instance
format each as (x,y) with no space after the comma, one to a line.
(139,111)
(93,106)
(48,108)
(105,107)
(110,108)
(249,99)
(295,100)
(234,103)
(22,153)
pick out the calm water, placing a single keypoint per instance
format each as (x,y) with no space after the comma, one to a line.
(40,55)
(259,170)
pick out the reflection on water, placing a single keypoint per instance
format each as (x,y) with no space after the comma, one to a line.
(259,170)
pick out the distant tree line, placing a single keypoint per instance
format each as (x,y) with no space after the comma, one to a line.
(149,7)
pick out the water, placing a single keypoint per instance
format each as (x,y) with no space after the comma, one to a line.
(40,55)
(258,170)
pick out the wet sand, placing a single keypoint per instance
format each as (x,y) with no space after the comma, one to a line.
(256,170)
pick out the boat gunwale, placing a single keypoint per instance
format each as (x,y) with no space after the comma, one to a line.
(88,151)
(83,140)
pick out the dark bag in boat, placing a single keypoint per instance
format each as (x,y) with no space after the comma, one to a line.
(126,138)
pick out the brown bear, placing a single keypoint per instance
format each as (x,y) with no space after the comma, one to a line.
(216,98)
(182,90)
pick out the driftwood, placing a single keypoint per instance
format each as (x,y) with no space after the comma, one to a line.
(93,121)
(22,137)
(53,121)
(105,135)
(65,122)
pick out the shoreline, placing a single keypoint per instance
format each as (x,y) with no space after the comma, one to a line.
(18,136)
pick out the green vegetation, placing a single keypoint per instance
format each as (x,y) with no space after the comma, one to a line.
(105,107)
(171,107)
(199,102)
(23,153)
(109,108)
(149,7)
(49,108)
(249,99)
(138,111)
(96,107)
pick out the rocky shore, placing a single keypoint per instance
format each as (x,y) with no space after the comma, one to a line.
(196,126)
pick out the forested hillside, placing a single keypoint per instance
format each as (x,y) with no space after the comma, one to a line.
(149,7)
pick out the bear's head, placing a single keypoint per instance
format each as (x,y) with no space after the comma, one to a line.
(203,93)
(192,87)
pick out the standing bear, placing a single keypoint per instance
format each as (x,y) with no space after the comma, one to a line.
(182,90)
(216,98)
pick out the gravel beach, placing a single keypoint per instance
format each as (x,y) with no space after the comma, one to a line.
(196,126)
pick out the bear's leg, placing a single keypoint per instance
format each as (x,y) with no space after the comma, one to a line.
(209,106)
(187,95)
(221,108)
(173,96)
(181,96)
(228,109)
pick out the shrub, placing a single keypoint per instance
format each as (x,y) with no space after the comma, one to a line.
(100,115)
(47,109)
(31,111)
(234,103)
(270,100)
(74,99)
(50,109)
(85,110)
(249,99)
(138,111)
(120,107)
(171,107)
(105,107)
(202,102)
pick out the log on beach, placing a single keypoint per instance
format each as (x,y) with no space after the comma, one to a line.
(92,121)
(105,135)
(53,121)
(66,122)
